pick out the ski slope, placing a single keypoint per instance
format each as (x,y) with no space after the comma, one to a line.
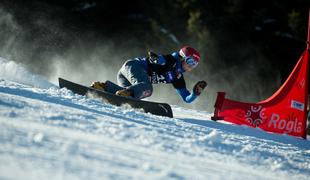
(51,133)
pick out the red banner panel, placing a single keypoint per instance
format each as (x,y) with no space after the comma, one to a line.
(284,112)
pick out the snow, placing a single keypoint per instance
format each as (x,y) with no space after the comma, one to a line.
(51,133)
(18,73)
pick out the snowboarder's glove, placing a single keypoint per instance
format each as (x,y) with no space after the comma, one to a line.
(153,58)
(199,86)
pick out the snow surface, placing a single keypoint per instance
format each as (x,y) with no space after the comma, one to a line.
(51,133)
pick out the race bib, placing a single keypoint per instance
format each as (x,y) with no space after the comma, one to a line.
(158,78)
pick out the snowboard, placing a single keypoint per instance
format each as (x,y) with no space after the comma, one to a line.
(156,108)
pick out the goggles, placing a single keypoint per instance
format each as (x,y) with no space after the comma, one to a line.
(191,61)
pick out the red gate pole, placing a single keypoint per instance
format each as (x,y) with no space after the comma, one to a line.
(308,38)
(307,77)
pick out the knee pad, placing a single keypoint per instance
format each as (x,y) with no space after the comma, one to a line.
(148,91)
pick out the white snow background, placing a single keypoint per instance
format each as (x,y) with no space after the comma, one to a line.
(51,133)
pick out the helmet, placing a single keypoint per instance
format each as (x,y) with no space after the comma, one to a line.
(190,55)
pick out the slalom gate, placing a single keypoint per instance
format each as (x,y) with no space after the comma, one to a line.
(285,112)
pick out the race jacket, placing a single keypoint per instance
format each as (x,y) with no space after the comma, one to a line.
(168,69)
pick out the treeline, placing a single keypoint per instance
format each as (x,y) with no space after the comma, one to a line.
(228,32)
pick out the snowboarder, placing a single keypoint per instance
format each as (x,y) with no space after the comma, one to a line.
(136,76)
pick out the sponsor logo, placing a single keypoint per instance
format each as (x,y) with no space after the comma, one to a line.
(169,76)
(163,107)
(145,94)
(288,126)
(297,105)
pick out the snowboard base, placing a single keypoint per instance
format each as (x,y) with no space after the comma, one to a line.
(161,109)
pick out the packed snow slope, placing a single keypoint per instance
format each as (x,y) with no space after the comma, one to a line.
(51,133)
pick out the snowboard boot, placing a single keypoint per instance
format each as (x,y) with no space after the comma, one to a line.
(125,93)
(99,85)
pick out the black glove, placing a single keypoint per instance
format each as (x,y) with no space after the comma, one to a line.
(199,86)
(153,58)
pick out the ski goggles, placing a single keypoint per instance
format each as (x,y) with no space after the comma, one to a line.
(191,61)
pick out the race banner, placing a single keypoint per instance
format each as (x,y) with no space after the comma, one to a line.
(284,112)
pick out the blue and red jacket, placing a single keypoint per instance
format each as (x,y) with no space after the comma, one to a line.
(168,69)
